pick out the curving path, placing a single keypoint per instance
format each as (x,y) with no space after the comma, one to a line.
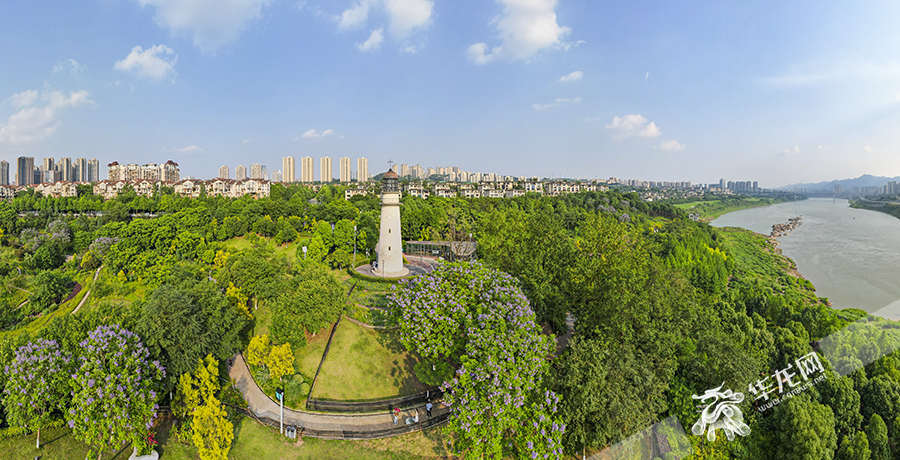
(330,426)
(88,294)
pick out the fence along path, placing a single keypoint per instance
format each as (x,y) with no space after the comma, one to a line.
(331,426)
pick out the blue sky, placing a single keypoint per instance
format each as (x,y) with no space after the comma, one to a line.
(778,92)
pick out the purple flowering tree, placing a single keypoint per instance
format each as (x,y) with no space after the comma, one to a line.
(114,397)
(59,231)
(478,319)
(101,246)
(36,385)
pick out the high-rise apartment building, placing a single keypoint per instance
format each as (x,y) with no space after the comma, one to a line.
(362,169)
(25,171)
(277,177)
(404,170)
(258,171)
(325,171)
(66,171)
(306,170)
(47,165)
(4,172)
(287,169)
(93,174)
(79,170)
(223,172)
(240,173)
(345,170)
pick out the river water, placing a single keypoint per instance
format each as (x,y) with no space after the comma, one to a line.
(852,256)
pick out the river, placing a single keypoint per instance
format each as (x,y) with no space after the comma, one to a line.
(850,255)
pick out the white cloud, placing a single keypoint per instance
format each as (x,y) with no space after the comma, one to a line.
(868,149)
(816,72)
(795,150)
(35,123)
(190,149)
(355,16)
(406,15)
(670,146)
(633,125)
(23,99)
(312,134)
(647,77)
(149,63)
(374,41)
(246,141)
(74,67)
(576,75)
(212,23)
(525,27)
(558,102)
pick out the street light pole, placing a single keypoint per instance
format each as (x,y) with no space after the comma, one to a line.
(354,246)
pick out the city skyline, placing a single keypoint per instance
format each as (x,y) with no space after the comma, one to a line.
(685,90)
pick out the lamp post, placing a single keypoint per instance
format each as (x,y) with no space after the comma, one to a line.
(279,393)
(354,246)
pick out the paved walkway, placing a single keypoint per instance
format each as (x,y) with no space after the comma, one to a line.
(88,294)
(263,406)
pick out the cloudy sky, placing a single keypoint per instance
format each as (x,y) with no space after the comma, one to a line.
(774,91)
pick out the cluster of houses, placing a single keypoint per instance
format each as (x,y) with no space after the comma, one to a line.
(235,188)
(186,187)
(505,189)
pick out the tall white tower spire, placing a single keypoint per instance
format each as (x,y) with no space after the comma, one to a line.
(390,249)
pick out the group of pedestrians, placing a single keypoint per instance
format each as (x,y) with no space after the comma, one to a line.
(414,419)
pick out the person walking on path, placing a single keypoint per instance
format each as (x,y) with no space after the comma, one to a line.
(396,414)
(428,407)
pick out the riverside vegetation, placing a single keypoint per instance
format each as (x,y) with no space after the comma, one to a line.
(665,308)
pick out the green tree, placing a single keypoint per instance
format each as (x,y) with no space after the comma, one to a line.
(877,434)
(343,235)
(312,300)
(854,447)
(340,259)
(187,318)
(49,289)
(213,433)
(881,396)
(802,430)
(197,387)
(280,361)
(537,250)
(838,393)
(258,350)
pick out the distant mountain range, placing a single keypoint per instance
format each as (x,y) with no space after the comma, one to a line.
(866,180)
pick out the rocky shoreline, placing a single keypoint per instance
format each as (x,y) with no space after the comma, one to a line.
(779,230)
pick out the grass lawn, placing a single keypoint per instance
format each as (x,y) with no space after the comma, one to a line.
(371,316)
(287,250)
(364,364)
(252,442)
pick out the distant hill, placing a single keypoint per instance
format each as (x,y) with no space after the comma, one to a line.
(866,180)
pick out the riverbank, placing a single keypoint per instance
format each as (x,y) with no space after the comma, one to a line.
(848,254)
(709,210)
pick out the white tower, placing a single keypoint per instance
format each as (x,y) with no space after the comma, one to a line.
(390,249)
